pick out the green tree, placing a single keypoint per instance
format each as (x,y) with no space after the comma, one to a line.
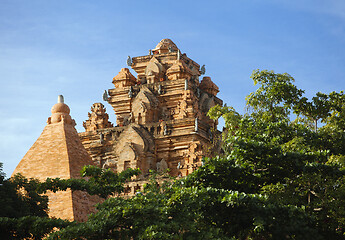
(281,177)
(293,162)
(24,207)
(175,210)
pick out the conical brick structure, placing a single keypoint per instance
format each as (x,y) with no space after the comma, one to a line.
(59,153)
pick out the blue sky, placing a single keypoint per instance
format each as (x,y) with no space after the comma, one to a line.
(75,48)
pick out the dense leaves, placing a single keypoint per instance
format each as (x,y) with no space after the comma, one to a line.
(178,212)
(24,209)
(29,227)
(96,181)
(281,176)
(21,206)
(287,157)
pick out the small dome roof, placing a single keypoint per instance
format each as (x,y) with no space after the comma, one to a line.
(60,108)
(165,44)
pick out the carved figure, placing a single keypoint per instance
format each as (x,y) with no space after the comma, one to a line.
(162,166)
(98,118)
(129,61)
(198,92)
(166,131)
(160,90)
(196,128)
(171,49)
(203,70)
(105,96)
(154,70)
(186,84)
(130,92)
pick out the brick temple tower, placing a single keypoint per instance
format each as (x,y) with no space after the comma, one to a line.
(58,153)
(161,116)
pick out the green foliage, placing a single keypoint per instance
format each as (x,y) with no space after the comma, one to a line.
(2,174)
(29,227)
(275,95)
(229,114)
(292,162)
(24,209)
(96,181)
(19,197)
(178,212)
(21,207)
(281,177)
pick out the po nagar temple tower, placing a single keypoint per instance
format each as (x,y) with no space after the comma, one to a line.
(161,115)
(161,123)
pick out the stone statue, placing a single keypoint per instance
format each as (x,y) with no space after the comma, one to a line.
(129,61)
(160,90)
(178,54)
(202,70)
(101,138)
(110,163)
(105,96)
(130,92)
(162,166)
(166,131)
(130,118)
(186,84)
(196,128)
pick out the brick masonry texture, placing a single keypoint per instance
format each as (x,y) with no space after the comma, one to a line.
(161,124)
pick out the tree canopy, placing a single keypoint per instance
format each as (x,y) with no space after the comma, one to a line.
(281,176)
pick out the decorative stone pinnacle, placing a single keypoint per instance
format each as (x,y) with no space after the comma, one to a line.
(60,99)
(60,113)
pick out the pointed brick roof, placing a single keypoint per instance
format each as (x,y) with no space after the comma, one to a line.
(57,153)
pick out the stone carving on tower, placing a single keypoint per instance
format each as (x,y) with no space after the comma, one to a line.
(124,79)
(98,118)
(161,116)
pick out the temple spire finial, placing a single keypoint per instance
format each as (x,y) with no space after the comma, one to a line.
(60,99)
